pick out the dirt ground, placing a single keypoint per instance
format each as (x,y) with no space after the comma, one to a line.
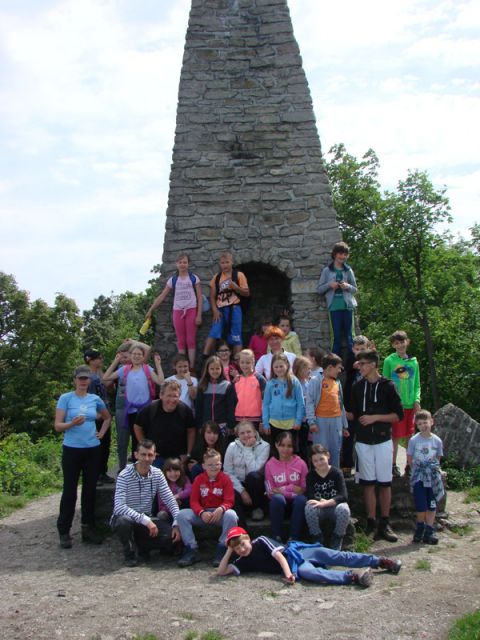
(85,592)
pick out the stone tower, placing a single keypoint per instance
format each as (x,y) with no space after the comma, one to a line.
(247,172)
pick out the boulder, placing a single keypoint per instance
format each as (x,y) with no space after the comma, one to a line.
(460,434)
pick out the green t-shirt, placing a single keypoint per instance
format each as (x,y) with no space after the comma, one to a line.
(405,375)
(338,303)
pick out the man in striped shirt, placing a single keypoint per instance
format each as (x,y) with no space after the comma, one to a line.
(138,486)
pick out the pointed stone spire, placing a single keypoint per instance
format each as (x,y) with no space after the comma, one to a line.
(247,172)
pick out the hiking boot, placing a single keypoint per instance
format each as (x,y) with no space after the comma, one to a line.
(396,471)
(429,536)
(189,557)
(257,514)
(219,553)
(407,471)
(391,565)
(103,478)
(364,579)
(419,532)
(336,542)
(386,532)
(129,558)
(65,540)
(143,555)
(371,526)
(90,535)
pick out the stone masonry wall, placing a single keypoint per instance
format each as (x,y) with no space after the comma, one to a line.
(247,172)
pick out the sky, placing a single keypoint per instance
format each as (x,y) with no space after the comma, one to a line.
(88,95)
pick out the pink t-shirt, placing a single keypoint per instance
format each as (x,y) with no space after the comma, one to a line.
(185,297)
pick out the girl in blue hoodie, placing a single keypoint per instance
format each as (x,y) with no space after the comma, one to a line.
(283,404)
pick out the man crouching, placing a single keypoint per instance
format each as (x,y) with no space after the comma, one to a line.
(138,486)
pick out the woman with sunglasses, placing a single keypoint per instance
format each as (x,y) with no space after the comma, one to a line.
(75,416)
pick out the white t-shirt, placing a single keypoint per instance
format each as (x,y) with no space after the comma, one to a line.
(425,449)
(264,364)
(184,297)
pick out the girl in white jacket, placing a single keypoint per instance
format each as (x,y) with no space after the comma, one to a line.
(244,462)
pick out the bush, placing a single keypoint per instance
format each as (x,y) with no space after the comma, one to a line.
(30,469)
(461,479)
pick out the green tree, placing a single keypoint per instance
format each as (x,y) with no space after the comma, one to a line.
(111,320)
(410,274)
(39,347)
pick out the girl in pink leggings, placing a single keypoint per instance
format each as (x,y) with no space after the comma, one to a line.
(187,306)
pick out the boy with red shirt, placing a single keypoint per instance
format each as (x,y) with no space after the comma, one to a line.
(211,503)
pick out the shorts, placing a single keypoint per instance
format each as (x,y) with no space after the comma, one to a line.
(374,463)
(423,498)
(406,427)
(231,321)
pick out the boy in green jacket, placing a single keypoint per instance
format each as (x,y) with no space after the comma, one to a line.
(404,372)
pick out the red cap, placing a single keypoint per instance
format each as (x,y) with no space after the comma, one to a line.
(234,532)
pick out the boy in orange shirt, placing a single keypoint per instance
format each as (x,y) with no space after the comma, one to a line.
(226,289)
(326,415)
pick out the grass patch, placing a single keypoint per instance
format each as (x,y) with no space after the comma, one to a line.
(462,530)
(473,495)
(191,635)
(423,565)
(145,636)
(186,615)
(212,635)
(8,504)
(466,628)
(271,593)
(361,542)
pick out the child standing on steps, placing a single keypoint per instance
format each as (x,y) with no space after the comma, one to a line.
(404,372)
(226,290)
(187,306)
(216,398)
(283,405)
(291,342)
(250,387)
(423,455)
(325,411)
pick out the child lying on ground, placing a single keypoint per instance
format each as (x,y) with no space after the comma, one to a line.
(298,560)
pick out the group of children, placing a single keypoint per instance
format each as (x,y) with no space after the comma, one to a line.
(303,404)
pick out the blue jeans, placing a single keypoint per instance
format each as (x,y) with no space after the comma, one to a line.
(318,558)
(329,435)
(278,506)
(341,322)
(187,519)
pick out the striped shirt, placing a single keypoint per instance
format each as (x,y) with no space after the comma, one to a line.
(134,495)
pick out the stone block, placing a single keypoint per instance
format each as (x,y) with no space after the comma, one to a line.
(460,434)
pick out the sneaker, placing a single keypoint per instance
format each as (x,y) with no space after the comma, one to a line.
(430,537)
(364,579)
(396,471)
(219,553)
(65,540)
(257,514)
(419,532)
(391,565)
(386,532)
(189,557)
(336,542)
(371,526)
(90,535)
(103,478)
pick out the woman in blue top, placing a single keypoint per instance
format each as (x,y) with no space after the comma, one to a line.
(75,417)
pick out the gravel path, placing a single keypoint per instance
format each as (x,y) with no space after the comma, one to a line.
(85,592)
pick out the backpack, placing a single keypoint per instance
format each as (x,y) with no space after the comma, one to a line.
(151,385)
(205,302)
(244,300)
